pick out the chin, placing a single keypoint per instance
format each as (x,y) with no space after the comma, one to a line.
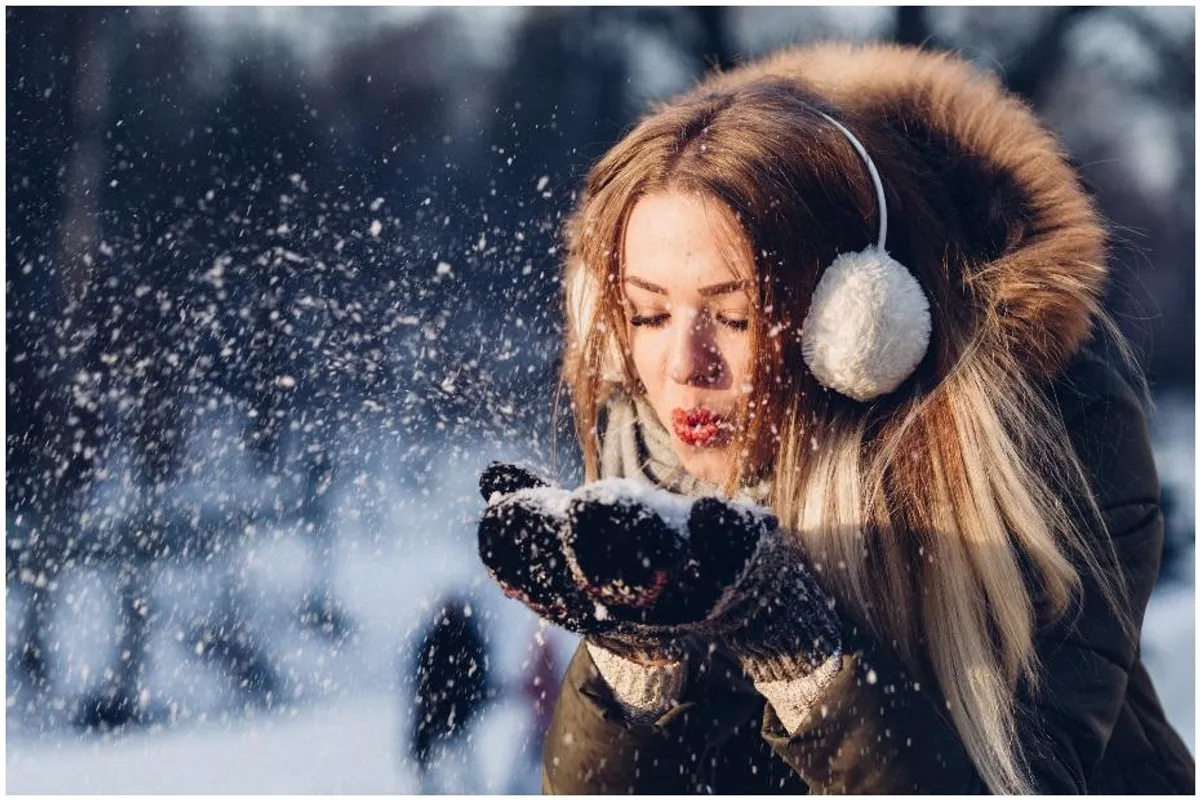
(707,464)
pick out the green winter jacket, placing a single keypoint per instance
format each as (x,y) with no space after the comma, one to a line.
(1098,727)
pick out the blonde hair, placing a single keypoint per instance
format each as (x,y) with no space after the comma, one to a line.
(950,517)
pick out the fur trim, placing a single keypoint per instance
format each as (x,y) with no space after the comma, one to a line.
(1042,273)
(867,326)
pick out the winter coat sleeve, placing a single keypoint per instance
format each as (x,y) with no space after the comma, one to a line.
(876,731)
(592,748)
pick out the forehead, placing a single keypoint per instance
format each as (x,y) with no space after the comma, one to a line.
(682,239)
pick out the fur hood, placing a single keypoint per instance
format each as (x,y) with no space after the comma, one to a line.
(1038,246)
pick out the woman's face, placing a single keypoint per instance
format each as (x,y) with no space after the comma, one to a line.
(687,280)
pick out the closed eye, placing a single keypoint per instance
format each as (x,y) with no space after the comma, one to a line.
(734,323)
(659,320)
(649,321)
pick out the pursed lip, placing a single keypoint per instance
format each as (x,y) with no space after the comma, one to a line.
(700,426)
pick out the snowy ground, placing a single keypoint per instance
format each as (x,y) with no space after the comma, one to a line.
(344,732)
(343,747)
(343,729)
(348,739)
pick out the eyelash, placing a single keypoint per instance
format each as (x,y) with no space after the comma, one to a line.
(640,321)
(658,320)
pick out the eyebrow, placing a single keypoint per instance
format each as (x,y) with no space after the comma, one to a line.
(705,291)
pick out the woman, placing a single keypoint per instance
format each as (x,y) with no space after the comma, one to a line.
(865,511)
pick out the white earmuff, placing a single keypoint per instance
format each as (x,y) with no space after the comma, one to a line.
(868,321)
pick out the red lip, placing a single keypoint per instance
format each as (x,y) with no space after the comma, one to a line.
(699,427)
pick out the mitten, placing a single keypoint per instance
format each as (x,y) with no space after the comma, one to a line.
(524,537)
(714,569)
(638,571)
(775,617)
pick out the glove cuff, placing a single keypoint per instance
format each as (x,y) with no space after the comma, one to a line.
(772,666)
(644,691)
(794,699)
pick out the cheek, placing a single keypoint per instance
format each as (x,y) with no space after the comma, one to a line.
(647,355)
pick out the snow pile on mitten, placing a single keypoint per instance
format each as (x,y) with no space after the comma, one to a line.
(635,569)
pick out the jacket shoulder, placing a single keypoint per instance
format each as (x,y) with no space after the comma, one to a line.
(1104,418)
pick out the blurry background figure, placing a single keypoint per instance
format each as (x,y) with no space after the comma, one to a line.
(541,686)
(452,687)
(538,691)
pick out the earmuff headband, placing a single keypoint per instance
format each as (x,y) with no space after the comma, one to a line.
(868,322)
(881,242)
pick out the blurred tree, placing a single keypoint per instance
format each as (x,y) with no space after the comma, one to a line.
(1038,63)
(714,41)
(912,26)
(53,418)
(701,32)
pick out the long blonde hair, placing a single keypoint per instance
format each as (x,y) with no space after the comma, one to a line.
(949,518)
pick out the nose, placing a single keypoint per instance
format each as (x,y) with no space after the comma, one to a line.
(694,358)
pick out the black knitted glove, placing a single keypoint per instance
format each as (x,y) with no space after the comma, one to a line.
(637,569)
(773,615)
(729,577)
(523,537)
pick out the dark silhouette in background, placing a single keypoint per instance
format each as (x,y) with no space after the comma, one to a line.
(541,680)
(452,685)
